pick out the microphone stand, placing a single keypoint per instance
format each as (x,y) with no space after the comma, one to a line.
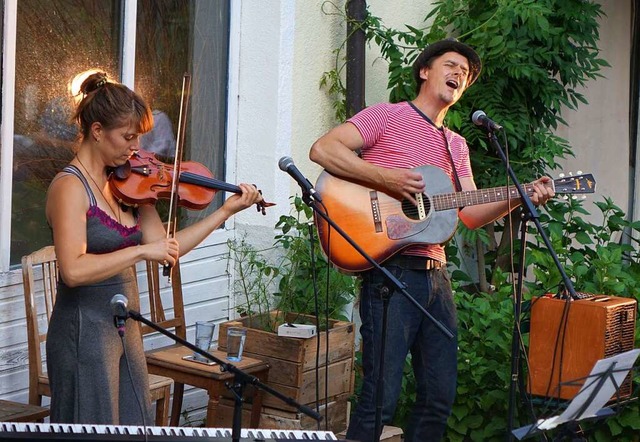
(240,380)
(386,296)
(529,214)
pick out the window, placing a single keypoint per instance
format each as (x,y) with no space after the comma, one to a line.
(56,39)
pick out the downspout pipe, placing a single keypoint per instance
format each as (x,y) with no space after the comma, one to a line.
(634,121)
(356,13)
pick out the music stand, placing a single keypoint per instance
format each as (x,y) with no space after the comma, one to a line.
(599,387)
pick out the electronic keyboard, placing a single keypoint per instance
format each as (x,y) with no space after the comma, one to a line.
(88,432)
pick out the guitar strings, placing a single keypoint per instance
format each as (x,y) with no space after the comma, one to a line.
(460,199)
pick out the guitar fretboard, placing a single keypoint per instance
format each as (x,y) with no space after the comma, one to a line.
(446,201)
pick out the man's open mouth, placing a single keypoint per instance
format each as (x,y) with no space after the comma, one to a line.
(452,84)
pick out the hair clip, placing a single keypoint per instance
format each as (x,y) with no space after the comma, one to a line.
(101,83)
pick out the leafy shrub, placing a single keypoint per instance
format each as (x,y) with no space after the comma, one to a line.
(290,276)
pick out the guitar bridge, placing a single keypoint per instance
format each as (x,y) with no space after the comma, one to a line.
(422,213)
(375,211)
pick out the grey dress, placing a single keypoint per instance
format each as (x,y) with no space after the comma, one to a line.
(86,362)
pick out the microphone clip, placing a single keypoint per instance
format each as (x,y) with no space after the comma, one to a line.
(119,322)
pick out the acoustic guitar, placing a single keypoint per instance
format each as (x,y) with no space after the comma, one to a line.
(383,224)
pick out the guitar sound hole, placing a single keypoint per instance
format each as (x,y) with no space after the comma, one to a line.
(411,211)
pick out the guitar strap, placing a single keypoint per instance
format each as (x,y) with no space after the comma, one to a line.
(442,130)
(453,164)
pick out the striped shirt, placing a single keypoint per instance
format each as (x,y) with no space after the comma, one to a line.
(400,136)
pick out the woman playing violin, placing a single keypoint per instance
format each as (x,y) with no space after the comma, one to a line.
(97,243)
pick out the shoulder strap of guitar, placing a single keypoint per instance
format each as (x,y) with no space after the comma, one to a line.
(442,130)
(453,163)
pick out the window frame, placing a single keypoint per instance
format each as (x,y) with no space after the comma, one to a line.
(10,10)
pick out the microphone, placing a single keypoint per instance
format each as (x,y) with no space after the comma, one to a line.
(479,118)
(120,313)
(286,165)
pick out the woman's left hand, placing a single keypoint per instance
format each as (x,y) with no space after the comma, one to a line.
(250,196)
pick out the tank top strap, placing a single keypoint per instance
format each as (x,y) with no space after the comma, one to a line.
(75,171)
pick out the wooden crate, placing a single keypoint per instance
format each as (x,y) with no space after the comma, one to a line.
(292,361)
(273,418)
(389,434)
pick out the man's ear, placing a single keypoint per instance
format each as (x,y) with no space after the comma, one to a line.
(424,73)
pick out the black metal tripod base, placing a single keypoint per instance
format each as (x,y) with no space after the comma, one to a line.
(570,432)
(385,294)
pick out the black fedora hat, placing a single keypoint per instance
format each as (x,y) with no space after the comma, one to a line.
(441,47)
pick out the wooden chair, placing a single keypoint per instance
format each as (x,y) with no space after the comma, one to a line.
(168,361)
(37,323)
(11,411)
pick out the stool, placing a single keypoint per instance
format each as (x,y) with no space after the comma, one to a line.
(168,361)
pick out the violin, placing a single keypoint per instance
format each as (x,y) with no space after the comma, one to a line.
(144,179)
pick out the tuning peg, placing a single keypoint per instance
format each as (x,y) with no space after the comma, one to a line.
(565,197)
(579,172)
(584,197)
(570,173)
(561,175)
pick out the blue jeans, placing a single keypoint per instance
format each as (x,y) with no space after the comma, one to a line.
(433,354)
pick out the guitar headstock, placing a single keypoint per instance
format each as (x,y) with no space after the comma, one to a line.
(575,184)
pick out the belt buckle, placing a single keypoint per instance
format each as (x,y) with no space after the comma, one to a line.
(432,264)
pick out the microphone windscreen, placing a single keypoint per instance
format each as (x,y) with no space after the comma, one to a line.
(477,117)
(284,163)
(118,301)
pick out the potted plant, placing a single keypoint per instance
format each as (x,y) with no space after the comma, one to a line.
(278,285)
(292,276)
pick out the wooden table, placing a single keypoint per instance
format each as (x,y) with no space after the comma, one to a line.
(168,361)
(17,412)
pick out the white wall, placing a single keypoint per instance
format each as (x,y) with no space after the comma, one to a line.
(599,131)
(264,108)
(319,31)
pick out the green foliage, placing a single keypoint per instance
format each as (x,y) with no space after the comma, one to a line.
(306,270)
(287,275)
(484,334)
(597,260)
(603,259)
(254,280)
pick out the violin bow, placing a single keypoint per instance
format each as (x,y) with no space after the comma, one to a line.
(175,181)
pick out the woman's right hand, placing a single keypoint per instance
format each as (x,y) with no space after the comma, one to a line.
(165,251)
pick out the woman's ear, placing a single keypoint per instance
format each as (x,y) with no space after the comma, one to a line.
(96,131)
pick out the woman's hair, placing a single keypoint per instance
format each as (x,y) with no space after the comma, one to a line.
(110,104)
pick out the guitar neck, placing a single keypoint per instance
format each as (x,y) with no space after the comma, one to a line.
(446,201)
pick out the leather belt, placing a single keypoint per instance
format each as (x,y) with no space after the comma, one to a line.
(415,262)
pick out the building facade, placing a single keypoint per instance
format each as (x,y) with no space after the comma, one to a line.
(256,68)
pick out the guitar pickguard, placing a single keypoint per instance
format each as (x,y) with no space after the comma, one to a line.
(414,221)
(399,228)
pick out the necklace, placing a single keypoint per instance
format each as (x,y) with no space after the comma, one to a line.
(116,213)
